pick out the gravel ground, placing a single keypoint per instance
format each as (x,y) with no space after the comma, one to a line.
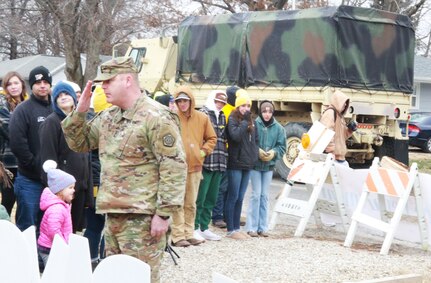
(318,256)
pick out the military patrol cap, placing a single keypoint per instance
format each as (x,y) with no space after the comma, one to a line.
(116,66)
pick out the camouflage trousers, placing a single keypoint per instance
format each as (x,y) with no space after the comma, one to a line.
(130,234)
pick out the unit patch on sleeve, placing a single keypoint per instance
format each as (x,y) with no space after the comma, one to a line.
(168,140)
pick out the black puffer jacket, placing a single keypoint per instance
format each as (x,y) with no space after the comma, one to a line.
(242,144)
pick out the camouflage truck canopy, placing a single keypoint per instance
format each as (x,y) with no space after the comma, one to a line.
(336,46)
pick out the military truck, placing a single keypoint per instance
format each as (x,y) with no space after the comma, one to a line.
(297,59)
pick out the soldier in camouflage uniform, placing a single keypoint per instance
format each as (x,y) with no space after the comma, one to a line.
(142,158)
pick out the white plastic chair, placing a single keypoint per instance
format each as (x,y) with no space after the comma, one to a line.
(18,257)
(122,268)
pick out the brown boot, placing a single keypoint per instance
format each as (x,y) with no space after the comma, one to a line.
(220,224)
(181,243)
(263,234)
(252,234)
(195,242)
(237,236)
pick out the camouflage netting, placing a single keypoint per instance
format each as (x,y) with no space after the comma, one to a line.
(337,46)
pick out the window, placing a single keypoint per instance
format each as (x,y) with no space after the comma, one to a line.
(138,55)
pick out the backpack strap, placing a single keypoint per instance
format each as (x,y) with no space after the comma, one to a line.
(335,112)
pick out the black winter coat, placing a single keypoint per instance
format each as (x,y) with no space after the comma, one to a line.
(24,134)
(242,145)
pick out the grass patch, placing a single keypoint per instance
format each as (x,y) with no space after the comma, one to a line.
(424,165)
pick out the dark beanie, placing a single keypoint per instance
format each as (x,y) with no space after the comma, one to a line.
(38,74)
(231,95)
(164,99)
(62,87)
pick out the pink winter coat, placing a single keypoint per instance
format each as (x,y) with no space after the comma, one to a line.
(56,220)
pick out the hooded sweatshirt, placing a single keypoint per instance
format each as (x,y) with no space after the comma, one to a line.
(56,219)
(197,133)
(339,104)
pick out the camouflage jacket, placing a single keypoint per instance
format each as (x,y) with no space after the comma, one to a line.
(143,167)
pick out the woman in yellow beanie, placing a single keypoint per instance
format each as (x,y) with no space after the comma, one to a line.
(243,154)
(99,99)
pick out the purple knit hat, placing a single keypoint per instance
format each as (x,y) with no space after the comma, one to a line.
(57,179)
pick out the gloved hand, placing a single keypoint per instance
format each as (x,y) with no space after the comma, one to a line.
(203,154)
(247,115)
(267,155)
(271,154)
(352,126)
(262,154)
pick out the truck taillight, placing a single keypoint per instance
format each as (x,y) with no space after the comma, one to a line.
(397,112)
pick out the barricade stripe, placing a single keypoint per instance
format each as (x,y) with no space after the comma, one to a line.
(389,186)
(404,177)
(371,187)
(295,171)
(378,181)
(398,182)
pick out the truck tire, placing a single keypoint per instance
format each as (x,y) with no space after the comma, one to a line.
(391,147)
(294,132)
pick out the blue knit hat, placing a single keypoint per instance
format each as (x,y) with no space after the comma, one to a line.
(57,179)
(61,87)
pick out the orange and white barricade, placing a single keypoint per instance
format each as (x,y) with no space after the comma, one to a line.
(312,170)
(394,183)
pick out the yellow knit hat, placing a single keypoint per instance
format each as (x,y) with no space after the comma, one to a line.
(99,99)
(242,98)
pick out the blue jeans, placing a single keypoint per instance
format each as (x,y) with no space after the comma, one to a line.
(218,210)
(27,192)
(257,215)
(93,232)
(238,182)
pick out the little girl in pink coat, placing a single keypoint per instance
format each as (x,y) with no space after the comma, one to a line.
(55,202)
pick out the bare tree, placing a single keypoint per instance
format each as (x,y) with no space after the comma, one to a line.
(12,13)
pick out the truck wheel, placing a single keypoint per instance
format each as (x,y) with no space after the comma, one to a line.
(294,132)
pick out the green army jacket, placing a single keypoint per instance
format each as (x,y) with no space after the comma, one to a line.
(143,164)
